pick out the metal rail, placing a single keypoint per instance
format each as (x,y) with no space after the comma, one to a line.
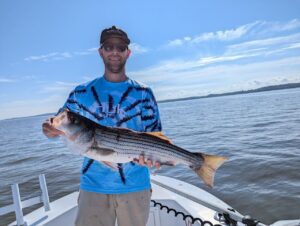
(18,205)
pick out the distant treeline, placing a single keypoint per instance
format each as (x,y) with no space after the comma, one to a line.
(262,89)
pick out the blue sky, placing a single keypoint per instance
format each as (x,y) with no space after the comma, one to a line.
(179,48)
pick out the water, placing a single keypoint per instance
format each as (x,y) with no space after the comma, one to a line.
(259,132)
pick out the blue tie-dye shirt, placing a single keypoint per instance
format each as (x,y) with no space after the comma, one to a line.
(127,104)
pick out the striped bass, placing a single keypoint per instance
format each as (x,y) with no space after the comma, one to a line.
(120,145)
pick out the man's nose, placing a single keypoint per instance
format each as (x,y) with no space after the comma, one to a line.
(115,51)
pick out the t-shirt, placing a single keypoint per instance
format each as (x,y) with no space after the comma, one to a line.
(127,104)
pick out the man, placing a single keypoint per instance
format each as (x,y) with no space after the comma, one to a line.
(109,192)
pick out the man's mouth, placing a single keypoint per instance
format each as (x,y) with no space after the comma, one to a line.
(114,59)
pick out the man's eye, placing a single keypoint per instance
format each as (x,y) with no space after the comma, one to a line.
(108,48)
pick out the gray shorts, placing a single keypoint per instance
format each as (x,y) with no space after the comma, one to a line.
(131,209)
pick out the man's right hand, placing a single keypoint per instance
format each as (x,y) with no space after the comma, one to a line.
(49,130)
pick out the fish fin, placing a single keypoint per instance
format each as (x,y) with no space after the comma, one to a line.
(110,164)
(207,170)
(160,135)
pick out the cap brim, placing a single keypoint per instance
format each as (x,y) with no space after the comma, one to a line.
(116,36)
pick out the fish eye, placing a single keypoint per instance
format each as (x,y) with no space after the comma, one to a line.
(73,120)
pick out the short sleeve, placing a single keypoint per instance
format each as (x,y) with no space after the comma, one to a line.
(72,103)
(150,113)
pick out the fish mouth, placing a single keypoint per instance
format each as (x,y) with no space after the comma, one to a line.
(57,121)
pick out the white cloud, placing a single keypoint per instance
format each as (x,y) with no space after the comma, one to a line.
(275,42)
(6,80)
(59,86)
(50,56)
(87,52)
(95,49)
(279,26)
(177,83)
(226,35)
(255,29)
(137,49)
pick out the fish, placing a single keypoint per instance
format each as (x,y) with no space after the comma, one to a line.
(120,145)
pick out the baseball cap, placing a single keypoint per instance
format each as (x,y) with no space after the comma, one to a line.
(114,32)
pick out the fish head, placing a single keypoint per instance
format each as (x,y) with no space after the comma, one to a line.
(67,122)
(77,135)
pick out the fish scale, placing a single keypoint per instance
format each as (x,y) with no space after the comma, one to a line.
(139,145)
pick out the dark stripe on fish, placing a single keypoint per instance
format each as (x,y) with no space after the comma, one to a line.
(132,146)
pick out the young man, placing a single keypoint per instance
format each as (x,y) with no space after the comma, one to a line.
(122,192)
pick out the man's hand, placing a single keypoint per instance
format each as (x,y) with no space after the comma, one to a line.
(49,130)
(149,163)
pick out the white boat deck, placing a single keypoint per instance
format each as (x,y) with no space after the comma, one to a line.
(63,211)
(184,198)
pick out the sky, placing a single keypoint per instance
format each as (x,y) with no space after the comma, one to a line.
(179,48)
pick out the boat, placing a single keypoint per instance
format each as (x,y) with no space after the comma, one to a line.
(173,202)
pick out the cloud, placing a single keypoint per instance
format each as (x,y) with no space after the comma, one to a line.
(135,47)
(138,49)
(233,53)
(6,80)
(87,52)
(182,78)
(265,43)
(226,35)
(252,50)
(59,87)
(279,26)
(255,29)
(50,56)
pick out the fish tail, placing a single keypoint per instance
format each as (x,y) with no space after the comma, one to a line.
(208,168)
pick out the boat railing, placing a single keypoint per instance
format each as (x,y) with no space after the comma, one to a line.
(18,204)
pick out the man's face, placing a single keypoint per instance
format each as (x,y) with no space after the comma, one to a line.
(114,53)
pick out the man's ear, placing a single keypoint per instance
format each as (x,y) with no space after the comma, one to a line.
(100,51)
(128,52)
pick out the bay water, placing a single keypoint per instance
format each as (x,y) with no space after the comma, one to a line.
(259,132)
